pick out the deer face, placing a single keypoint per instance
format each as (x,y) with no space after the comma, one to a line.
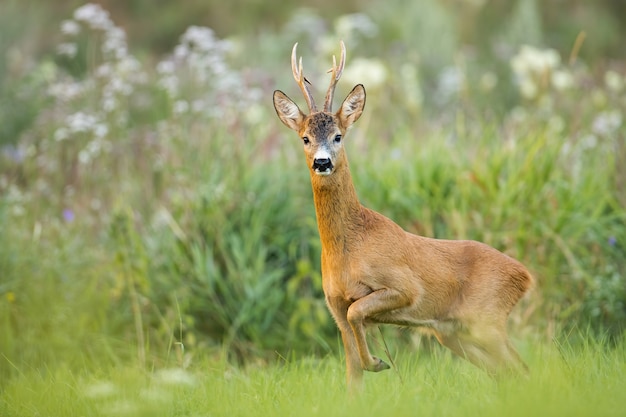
(321,137)
(322,133)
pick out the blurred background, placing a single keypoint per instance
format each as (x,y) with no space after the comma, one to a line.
(153,207)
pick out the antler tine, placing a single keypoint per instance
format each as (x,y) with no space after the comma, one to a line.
(336,72)
(296,68)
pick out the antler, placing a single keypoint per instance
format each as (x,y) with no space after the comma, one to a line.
(296,68)
(336,72)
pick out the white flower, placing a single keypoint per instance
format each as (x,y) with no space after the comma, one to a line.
(200,38)
(528,88)
(70,27)
(198,105)
(100,130)
(108,102)
(165,67)
(175,376)
(562,80)
(65,91)
(80,122)
(94,16)
(61,134)
(357,23)
(451,82)
(68,49)
(588,142)
(180,107)
(99,390)
(370,72)
(115,43)
(181,51)
(614,81)
(607,122)
(531,60)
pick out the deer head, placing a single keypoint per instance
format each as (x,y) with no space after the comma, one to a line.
(322,132)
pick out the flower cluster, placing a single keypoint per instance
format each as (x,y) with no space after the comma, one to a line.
(199,80)
(92,107)
(538,70)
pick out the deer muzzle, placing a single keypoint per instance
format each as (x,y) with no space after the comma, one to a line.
(322,166)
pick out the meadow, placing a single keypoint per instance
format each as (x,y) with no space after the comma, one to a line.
(158,247)
(565,381)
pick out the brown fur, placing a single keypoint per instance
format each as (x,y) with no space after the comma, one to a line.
(375,272)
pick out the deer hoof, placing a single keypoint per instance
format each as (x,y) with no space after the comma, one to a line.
(377,365)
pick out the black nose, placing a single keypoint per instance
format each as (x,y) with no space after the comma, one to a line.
(322,164)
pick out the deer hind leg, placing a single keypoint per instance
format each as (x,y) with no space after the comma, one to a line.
(367,307)
(487,347)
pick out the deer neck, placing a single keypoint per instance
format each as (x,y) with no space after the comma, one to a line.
(337,208)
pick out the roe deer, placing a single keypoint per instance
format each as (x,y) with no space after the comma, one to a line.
(375,272)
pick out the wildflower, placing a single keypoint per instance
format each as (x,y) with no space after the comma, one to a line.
(355,24)
(94,16)
(588,142)
(612,241)
(70,27)
(65,91)
(562,80)
(305,23)
(533,67)
(613,81)
(68,215)
(165,67)
(451,83)
(607,122)
(108,103)
(99,390)
(175,376)
(180,107)
(528,88)
(67,49)
(80,122)
(13,153)
(10,297)
(371,72)
(61,134)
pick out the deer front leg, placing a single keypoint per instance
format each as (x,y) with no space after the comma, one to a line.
(354,372)
(377,302)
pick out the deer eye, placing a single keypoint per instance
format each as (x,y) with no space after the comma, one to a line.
(337,138)
(306,140)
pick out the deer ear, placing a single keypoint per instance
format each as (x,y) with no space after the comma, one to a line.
(352,106)
(288,112)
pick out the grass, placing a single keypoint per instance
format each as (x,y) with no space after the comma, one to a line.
(566,380)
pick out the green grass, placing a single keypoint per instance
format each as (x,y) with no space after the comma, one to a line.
(582,380)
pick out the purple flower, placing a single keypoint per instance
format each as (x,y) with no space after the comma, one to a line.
(68,215)
(612,241)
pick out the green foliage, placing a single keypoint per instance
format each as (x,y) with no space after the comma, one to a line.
(243,262)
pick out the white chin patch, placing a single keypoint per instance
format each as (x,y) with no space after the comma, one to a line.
(324,173)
